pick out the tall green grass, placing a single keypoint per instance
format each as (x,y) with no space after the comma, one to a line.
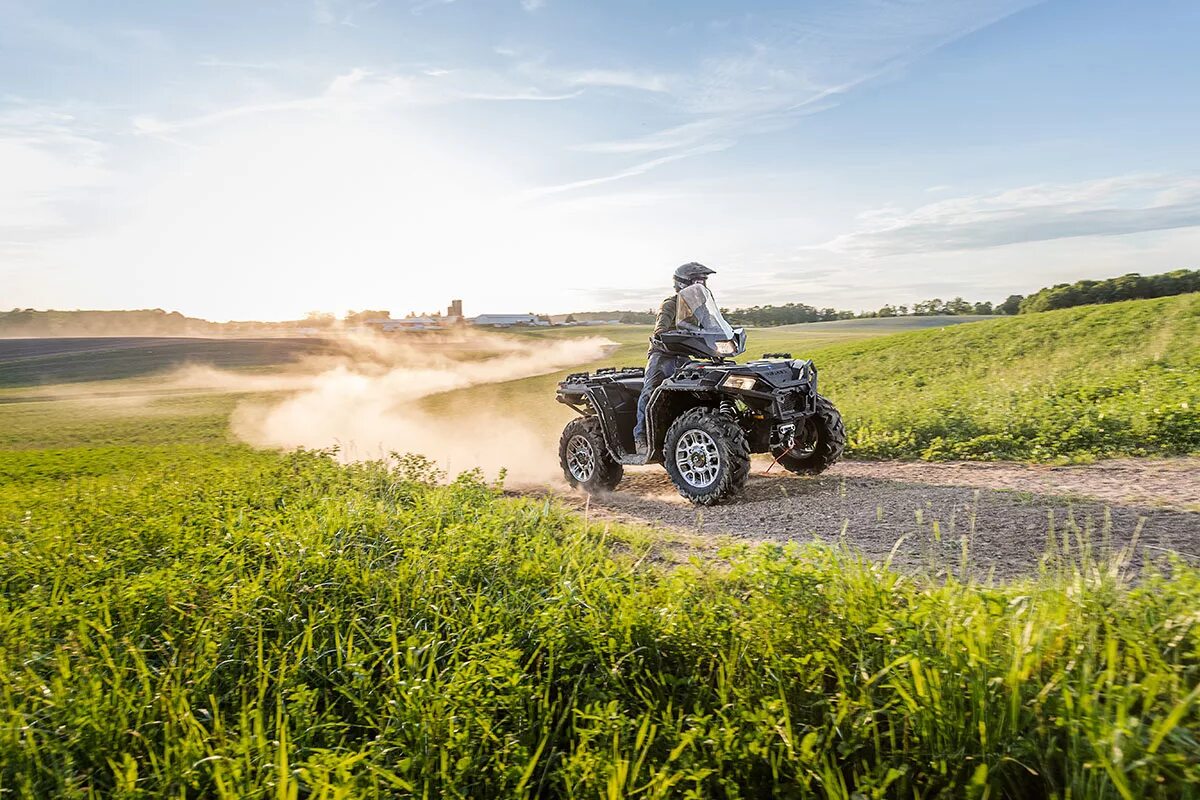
(1077,384)
(199,621)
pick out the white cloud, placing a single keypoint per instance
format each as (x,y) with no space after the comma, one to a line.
(223,63)
(629,172)
(424,5)
(788,66)
(48,160)
(340,12)
(1110,207)
(623,79)
(679,137)
(363,89)
(532,5)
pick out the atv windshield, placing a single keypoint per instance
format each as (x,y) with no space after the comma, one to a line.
(697,312)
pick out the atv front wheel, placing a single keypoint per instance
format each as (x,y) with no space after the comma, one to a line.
(586,462)
(707,456)
(819,444)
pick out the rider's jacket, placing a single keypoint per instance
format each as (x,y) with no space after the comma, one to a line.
(665,321)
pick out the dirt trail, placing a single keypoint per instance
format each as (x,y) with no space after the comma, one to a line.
(1002,514)
(1161,483)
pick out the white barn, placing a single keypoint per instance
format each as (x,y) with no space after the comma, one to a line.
(411,324)
(507,320)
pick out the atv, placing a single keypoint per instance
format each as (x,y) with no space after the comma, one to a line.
(703,423)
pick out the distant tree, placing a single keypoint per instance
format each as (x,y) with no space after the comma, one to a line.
(570,320)
(982,309)
(1011,305)
(958,307)
(359,317)
(637,317)
(886,311)
(790,314)
(928,308)
(319,319)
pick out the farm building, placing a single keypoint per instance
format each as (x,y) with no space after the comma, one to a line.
(508,320)
(412,324)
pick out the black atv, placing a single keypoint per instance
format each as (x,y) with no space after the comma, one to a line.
(704,422)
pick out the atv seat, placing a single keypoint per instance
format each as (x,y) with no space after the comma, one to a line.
(631,385)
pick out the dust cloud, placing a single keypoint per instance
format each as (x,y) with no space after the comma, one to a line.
(367,402)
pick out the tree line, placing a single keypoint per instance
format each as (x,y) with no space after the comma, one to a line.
(1130,286)
(793,313)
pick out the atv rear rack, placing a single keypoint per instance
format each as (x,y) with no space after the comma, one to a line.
(605,374)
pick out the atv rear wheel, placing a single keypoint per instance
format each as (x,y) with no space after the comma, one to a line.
(706,456)
(819,445)
(586,462)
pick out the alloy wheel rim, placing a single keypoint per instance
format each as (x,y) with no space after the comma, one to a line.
(698,458)
(808,443)
(581,458)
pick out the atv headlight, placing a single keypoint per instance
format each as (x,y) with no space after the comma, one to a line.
(743,382)
(725,348)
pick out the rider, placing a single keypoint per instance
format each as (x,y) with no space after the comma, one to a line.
(660,364)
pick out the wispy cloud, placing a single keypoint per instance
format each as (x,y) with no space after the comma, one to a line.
(50,161)
(1109,207)
(365,90)
(679,137)
(623,79)
(106,44)
(223,63)
(424,5)
(340,12)
(783,67)
(629,172)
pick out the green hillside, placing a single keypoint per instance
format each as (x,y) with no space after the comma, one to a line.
(1093,381)
(880,325)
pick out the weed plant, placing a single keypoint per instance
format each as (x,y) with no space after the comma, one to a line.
(201,621)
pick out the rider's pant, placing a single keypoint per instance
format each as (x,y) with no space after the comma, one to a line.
(659,367)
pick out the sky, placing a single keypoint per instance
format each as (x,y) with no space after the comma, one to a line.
(236,160)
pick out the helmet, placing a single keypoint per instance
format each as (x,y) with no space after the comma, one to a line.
(689,273)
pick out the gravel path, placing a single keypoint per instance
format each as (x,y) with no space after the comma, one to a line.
(1003,514)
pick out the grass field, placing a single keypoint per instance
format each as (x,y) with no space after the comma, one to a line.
(209,621)
(31,362)
(182,616)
